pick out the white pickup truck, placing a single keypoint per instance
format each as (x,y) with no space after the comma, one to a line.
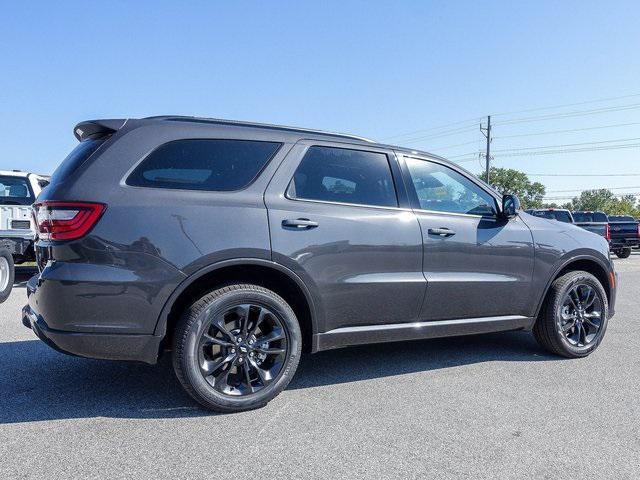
(18,191)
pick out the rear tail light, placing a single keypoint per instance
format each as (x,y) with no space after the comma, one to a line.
(66,220)
(607,232)
(638,228)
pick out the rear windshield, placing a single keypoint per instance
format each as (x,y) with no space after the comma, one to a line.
(590,217)
(15,191)
(194,164)
(621,218)
(553,215)
(76,158)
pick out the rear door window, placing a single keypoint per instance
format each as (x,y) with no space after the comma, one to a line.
(15,191)
(213,165)
(342,175)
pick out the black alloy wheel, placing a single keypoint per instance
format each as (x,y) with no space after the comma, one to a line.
(574,317)
(237,347)
(580,318)
(242,349)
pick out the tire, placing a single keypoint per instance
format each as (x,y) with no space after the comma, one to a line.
(7,274)
(257,314)
(550,323)
(623,252)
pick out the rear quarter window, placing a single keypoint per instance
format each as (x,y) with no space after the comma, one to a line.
(199,164)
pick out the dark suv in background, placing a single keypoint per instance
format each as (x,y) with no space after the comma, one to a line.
(235,245)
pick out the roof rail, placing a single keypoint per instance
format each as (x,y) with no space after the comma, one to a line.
(219,121)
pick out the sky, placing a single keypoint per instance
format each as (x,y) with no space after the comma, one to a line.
(390,71)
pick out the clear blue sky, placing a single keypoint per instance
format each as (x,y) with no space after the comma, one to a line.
(374,68)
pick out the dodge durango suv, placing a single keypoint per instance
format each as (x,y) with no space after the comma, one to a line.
(234,246)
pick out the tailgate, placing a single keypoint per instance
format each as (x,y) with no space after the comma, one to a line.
(16,221)
(621,230)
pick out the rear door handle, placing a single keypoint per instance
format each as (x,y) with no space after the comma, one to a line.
(299,223)
(442,232)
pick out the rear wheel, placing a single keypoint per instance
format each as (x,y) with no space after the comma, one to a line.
(7,274)
(573,319)
(237,348)
(623,252)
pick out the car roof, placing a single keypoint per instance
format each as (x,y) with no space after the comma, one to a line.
(88,128)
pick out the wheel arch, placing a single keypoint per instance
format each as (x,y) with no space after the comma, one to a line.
(260,272)
(584,263)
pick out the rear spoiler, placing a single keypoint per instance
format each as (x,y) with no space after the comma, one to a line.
(97,128)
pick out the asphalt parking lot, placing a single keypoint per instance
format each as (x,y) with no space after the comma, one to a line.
(491,406)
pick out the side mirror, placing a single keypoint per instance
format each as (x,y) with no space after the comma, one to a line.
(510,206)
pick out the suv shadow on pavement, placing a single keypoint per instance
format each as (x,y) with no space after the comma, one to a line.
(41,384)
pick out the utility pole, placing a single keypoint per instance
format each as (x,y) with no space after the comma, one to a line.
(487,133)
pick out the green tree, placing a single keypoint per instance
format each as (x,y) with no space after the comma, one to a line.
(604,200)
(508,180)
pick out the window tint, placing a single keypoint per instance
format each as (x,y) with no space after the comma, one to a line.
(442,189)
(559,215)
(345,176)
(15,191)
(621,218)
(590,217)
(76,158)
(215,165)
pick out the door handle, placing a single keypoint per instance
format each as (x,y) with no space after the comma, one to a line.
(299,223)
(442,232)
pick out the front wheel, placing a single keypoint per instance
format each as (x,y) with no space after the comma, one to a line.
(7,274)
(623,252)
(237,348)
(574,317)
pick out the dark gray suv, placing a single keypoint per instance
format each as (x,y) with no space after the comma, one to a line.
(236,245)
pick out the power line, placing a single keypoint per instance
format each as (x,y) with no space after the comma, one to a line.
(594,188)
(432,128)
(518,149)
(635,194)
(508,121)
(452,146)
(524,152)
(576,113)
(582,174)
(463,155)
(446,133)
(568,105)
(550,132)
(568,150)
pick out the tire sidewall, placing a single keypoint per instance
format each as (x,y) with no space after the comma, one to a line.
(623,253)
(588,279)
(4,294)
(189,357)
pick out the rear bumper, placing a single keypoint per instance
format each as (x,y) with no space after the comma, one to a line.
(107,346)
(16,245)
(616,243)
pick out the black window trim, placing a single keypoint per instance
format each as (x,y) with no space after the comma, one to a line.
(129,172)
(392,161)
(415,203)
